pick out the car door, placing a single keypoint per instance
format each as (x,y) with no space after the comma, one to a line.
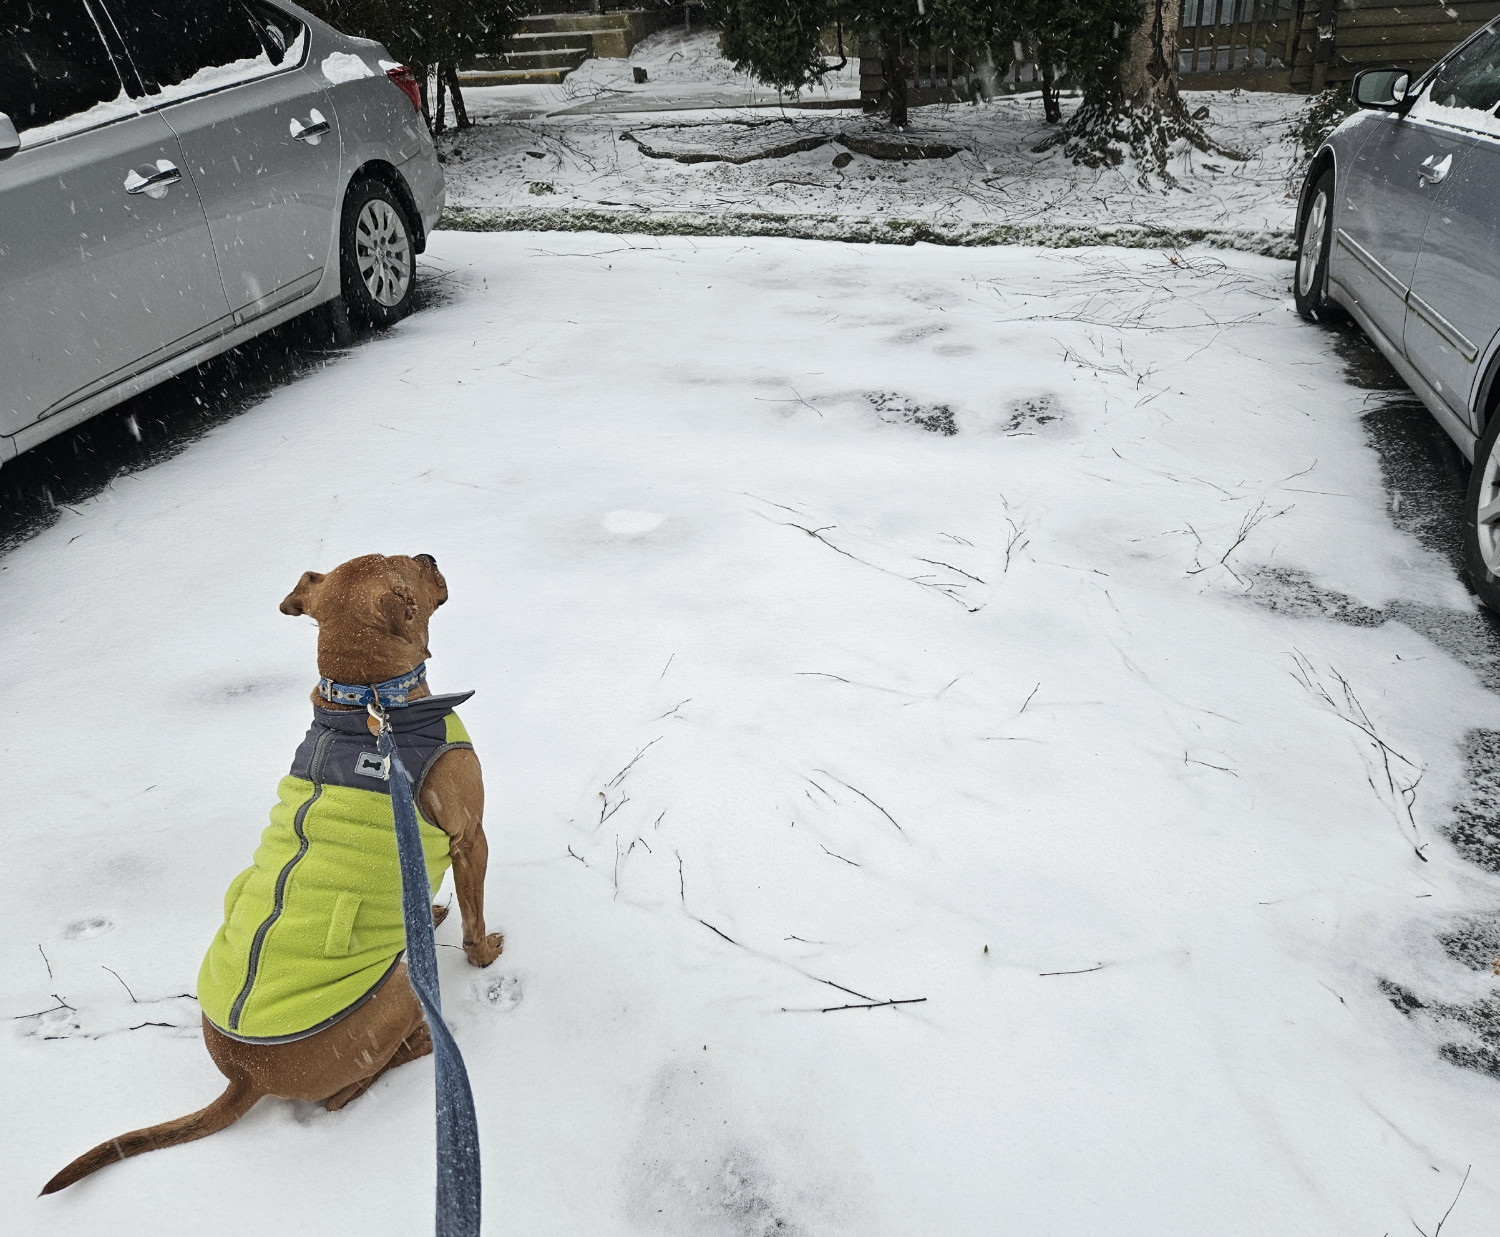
(258,132)
(1453,308)
(106,265)
(1383,204)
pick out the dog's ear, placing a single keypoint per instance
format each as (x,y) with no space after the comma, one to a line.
(437,576)
(301,599)
(399,608)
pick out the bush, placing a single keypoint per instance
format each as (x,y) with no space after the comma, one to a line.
(1325,112)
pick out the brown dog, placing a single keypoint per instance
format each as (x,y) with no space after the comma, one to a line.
(372,615)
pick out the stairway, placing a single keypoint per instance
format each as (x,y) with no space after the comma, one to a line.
(549,46)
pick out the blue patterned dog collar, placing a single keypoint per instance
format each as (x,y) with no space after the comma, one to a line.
(392,694)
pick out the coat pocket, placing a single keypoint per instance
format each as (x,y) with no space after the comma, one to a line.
(341,926)
(232,894)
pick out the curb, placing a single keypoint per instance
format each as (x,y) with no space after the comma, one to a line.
(861,230)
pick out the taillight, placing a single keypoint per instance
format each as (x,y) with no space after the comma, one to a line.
(406,82)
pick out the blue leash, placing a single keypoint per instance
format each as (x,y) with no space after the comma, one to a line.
(457,1129)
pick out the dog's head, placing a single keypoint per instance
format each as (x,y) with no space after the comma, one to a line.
(372,614)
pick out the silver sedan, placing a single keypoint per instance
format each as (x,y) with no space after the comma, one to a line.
(1399,228)
(177,176)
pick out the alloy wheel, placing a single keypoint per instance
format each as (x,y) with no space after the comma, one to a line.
(383,252)
(1312,244)
(1487,509)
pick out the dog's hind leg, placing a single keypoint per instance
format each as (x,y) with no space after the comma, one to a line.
(417,1044)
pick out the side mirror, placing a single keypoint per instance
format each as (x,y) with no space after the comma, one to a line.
(10,140)
(1384,90)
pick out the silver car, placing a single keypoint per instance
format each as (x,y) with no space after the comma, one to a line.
(177,176)
(1399,226)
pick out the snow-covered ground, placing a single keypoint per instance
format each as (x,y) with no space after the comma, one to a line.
(849,624)
(560,157)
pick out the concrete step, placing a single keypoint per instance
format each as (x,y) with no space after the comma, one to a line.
(562,58)
(551,22)
(514,77)
(551,44)
(614,34)
(549,41)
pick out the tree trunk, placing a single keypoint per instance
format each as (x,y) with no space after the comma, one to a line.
(1051,108)
(893,70)
(1138,111)
(1148,74)
(460,112)
(439,122)
(419,71)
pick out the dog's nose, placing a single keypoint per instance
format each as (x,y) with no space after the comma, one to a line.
(426,558)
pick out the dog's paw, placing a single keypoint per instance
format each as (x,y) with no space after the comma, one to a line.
(439,913)
(482,953)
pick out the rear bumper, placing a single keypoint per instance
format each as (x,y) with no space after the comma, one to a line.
(424,176)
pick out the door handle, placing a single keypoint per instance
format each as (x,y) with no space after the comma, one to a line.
(312,129)
(1434,170)
(154,185)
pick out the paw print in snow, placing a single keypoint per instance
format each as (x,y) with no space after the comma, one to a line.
(501,992)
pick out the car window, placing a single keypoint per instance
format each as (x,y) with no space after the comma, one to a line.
(1468,82)
(185,47)
(56,76)
(282,34)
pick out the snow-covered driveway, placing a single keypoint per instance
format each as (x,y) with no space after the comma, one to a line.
(991,630)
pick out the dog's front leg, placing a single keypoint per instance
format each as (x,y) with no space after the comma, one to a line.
(453,798)
(471,853)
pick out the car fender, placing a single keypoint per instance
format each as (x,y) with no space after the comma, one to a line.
(1487,391)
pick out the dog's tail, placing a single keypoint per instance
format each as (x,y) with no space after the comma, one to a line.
(236,1101)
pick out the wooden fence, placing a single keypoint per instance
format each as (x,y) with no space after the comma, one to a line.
(1309,44)
(1300,45)
(936,74)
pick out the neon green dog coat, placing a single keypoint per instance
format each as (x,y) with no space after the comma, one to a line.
(314,925)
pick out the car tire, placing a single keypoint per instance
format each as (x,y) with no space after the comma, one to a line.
(1314,243)
(328,325)
(377,259)
(1481,535)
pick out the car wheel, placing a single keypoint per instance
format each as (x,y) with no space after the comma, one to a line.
(1482,517)
(1314,241)
(377,261)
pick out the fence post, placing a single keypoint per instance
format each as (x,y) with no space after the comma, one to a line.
(1293,39)
(1197,32)
(1234,31)
(1324,50)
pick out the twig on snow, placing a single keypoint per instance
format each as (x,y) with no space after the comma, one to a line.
(134,1000)
(1248,525)
(1016,542)
(1188,760)
(817,535)
(1451,1206)
(1088,970)
(61,1004)
(833,1009)
(606,811)
(1400,792)
(716,932)
(863,796)
(939,563)
(618,777)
